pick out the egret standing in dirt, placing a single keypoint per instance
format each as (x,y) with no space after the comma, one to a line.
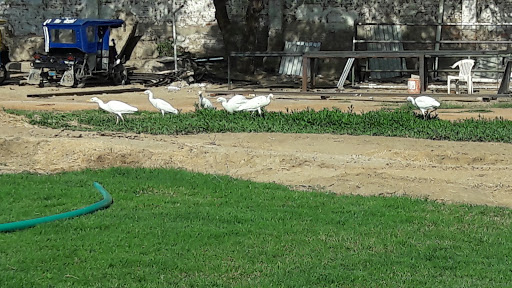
(160,104)
(426,104)
(116,107)
(204,103)
(233,103)
(256,103)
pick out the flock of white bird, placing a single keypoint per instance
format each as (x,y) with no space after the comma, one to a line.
(236,103)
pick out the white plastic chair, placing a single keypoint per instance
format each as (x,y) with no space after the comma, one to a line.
(465,67)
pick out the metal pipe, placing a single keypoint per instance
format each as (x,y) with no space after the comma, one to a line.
(229,72)
(174,36)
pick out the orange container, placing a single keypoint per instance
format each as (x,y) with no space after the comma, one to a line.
(413,86)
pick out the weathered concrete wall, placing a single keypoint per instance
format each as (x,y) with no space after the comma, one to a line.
(332,22)
(328,21)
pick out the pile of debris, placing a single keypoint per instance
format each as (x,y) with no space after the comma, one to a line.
(191,71)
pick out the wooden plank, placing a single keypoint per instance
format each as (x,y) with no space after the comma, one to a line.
(338,95)
(345,72)
(505,81)
(370,34)
(305,63)
(423,75)
(84,93)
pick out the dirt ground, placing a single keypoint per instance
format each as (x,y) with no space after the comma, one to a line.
(476,173)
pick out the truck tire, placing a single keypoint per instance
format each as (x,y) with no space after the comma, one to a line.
(79,75)
(120,75)
(3,73)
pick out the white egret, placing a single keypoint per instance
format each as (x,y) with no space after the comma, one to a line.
(160,104)
(116,107)
(256,103)
(204,103)
(233,103)
(425,104)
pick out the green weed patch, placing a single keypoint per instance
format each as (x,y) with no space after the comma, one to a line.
(401,122)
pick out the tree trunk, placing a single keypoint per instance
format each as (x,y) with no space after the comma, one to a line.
(253,36)
(225,26)
(275,35)
(256,31)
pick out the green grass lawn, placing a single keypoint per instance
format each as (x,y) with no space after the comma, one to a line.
(171,228)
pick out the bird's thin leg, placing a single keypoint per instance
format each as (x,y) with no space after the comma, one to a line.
(117,119)
(259,111)
(163,113)
(121,115)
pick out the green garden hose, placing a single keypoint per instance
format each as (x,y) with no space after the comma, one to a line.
(107,200)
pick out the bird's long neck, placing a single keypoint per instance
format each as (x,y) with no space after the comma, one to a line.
(101,104)
(150,95)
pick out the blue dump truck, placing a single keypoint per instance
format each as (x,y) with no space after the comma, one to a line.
(76,50)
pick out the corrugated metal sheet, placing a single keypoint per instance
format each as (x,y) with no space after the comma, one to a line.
(487,63)
(293,65)
(384,32)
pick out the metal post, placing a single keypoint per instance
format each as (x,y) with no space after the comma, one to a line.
(423,78)
(437,46)
(312,72)
(304,73)
(229,72)
(505,80)
(354,38)
(174,36)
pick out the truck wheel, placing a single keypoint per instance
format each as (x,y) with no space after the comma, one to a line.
(3,74)
(120,75)
(79,75)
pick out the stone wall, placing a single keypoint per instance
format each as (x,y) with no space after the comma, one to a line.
(328,21)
